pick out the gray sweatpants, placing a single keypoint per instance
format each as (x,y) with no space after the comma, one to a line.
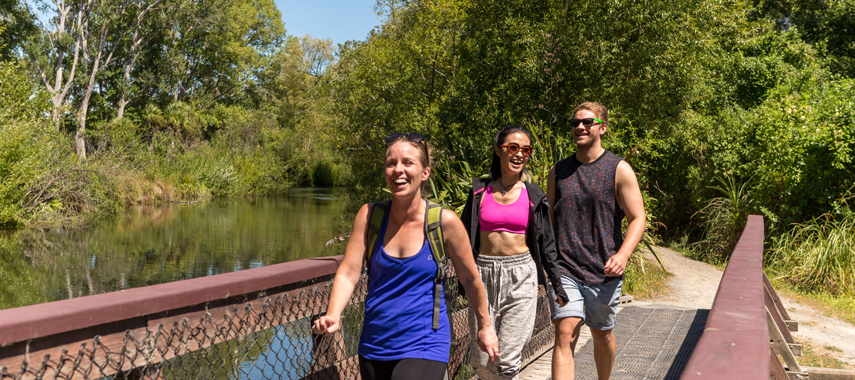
(511,285)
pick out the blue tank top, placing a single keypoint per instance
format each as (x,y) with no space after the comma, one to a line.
(399,308)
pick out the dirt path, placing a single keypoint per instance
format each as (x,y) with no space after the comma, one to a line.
(694,285)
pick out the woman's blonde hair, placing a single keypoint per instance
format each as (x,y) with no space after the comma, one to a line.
(425,150)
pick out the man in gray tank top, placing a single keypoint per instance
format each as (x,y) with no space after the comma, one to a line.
(591,192)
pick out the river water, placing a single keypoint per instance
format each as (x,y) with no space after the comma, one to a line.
(150,245)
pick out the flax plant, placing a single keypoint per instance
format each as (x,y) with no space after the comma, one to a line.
(452,182)
(724,219)
(549,148)
(818,255)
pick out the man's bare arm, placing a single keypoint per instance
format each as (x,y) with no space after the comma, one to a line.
(630,201)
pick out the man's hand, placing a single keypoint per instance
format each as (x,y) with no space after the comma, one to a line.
(616,265)
(489,343)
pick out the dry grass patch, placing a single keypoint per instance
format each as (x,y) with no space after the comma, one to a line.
(650,283)
(841,307)
(819,356)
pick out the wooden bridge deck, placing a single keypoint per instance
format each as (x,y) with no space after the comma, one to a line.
(653,342)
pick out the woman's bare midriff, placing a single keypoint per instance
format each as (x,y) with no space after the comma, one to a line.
(501,243)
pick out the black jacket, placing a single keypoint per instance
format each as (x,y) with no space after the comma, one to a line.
(539,236)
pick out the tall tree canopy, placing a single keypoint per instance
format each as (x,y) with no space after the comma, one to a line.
(166,49)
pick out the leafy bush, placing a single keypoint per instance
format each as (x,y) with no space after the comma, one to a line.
(26,141)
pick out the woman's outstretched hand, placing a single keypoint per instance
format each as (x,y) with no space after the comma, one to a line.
(326,325)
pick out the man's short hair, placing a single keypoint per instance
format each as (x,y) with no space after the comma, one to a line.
(597,108)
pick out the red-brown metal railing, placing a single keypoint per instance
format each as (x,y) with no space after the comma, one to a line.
(735,343)
(247,324)
(133,333)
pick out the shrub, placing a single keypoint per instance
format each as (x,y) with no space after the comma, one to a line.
(26,142)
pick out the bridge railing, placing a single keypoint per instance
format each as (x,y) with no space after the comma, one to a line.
(735,342)
(250,324)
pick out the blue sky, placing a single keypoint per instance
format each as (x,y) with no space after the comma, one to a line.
(339,20)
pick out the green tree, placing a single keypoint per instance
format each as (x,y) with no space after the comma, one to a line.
(459,70)
(15,25)
(296,83)
(215,50)
(829,24)
(396,82)
(77,41)
(825,24)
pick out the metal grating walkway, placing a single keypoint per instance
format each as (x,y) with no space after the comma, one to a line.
(652,343)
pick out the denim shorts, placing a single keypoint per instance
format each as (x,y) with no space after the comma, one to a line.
(596,304)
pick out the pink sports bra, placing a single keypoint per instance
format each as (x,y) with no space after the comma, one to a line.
(508,218)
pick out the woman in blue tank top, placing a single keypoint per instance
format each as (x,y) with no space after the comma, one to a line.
(398,340)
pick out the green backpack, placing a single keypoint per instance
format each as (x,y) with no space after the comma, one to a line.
(433,232)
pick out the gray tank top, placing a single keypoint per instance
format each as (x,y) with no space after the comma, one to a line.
(587,217)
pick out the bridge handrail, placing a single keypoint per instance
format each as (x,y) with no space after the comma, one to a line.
(735,342)
(251,323)
(42,320)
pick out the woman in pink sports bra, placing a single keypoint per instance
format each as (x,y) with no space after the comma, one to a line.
(507,218)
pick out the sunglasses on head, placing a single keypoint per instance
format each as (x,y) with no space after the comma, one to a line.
(587,122)
(513,148)
(413,137)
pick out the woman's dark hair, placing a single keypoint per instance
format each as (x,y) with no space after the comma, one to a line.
(496,164)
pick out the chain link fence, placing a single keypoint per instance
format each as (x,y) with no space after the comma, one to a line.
(261,335)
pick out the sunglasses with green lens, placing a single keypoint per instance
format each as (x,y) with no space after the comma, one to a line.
(587,122)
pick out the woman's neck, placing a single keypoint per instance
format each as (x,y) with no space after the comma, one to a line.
(508,180)
(407,208)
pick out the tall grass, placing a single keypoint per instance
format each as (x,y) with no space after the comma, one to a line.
(818,255)
(724,218)
(178,155)
(642,283)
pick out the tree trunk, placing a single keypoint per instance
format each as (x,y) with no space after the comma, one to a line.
(83,110)
(55,112)
(122,104)
(79,141)
(66,23)
(137,39)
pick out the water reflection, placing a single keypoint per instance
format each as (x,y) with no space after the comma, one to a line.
(155,244)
